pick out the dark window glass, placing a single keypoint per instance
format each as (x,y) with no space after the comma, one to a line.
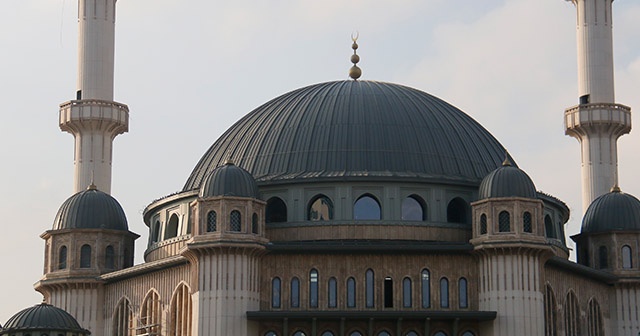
(333,293)
(504,222)
(384,333)
(412,209)
(355,333)
(483,224)
(603,257)
(369,289)
(109,258)
(462,293)
(172,227)
(62,258)
(548,227)
(425,284)
(627,261)
(320,209)
(457,211)
(411,333)
(236,221)
(444,293)
(440,333)
(366,208)
(388,292)
(327,333)
(295,293)
(155,234)
(527,225)
(212,221)
(270,333)
(406,293)
(351,293)
(276,211)
(275,293)
(85,256)
(468,333)
(313,289)
(299,333)
(254,223)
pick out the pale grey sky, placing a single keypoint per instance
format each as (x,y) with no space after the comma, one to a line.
(189,69)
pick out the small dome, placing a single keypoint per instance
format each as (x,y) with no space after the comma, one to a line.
(229,180)
(43,317)
(91,209)
(614,211)
(507,181)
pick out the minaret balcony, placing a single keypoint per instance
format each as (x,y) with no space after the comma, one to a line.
(94,114)
(598,117)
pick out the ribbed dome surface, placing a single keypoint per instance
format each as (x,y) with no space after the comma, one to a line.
(355,129)
(43,317)
(229,180)
(507,181)
(91,209)
(614,211)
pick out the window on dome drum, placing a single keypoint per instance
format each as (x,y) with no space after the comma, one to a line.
(384,333)
(333,293)
(572,316)
(468,333)
(276,211)
(85,256)
(504,222)
(275,293)
(299,333)
(235,221)
(172,227)
(180,312)
(355,333)
(367,208)
(128,259)
(155,234)
(369,292)
(560,230)
(109,258)
(151,314)
(483,224)
(440,333)
(327,333)
(527,225)
(254,223)
(295,293)
(62,258)
(457,211)
(627,262)
(594,319)
(550,314)
(425,284)
(550,232)
(444,293)
(351,293)
(411,333)
(406,293)
(313,288)
(320,209)
(123,319)
(413,209)
(462,293)
(212,221)
(603,258)
(270,333)
(388,292)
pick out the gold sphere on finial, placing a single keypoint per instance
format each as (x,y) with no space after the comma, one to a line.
(355,72)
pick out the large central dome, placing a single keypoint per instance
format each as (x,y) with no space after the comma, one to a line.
(353,130)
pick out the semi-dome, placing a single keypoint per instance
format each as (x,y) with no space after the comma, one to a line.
(43,317)
(91,209)
(229,180)
(507,181)
(355,130)
(614,211)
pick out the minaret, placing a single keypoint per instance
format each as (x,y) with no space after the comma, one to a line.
(94,118)
(597,122)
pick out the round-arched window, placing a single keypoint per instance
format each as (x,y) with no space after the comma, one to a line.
(367,208)
(320,209)
(413,209)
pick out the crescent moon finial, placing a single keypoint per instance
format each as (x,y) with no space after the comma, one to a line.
(355,35)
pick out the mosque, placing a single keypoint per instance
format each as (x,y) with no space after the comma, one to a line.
(345,208)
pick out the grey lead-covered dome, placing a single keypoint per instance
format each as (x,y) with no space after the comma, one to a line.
(43,317)
(91,209)
(355,130)
(507,181)
(229,180)
(614,211)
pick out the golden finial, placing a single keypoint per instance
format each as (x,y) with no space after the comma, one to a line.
(616,189)
(228,162)
(506,161)
(92,185)
(355,71)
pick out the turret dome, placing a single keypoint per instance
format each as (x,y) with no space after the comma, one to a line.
(229,180)
(91,209)
(614,211)
(507,181)
(45,318)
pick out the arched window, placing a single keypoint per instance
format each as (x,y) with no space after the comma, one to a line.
(468,333)
(550,315)
(411,333)
(388,292)
(504,222)
(299,333)
(275,293)
(320,209)
(313,288)
(384,333)
(425,284)
(548,227)
(572,315)
(155,233)
(406,293)
(594,319)
(462,293)
(62,257)
(603,257)
(440,333)
(457,211)
(444,293)
(355,333)
(85,256)
(235,221)
(483,224)
(333,293)
(254,223)
(109,258)
(123,319)
(180,312)
(172,227)
(327,333)
(368,283)
(367,208)
(627,261)
(270,333)
(276,211)
(527,223)
(295,293)
(351,293)
(128,258)
(151,314)
(212,221)
(413,209)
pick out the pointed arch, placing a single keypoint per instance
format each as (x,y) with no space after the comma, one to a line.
(550,314)
(180,311)
(122,318)
(151,313)
(594,319)
(571,315)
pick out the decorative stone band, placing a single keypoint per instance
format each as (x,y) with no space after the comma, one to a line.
(105,115)
(581,118)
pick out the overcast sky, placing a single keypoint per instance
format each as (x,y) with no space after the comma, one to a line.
(189,69)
